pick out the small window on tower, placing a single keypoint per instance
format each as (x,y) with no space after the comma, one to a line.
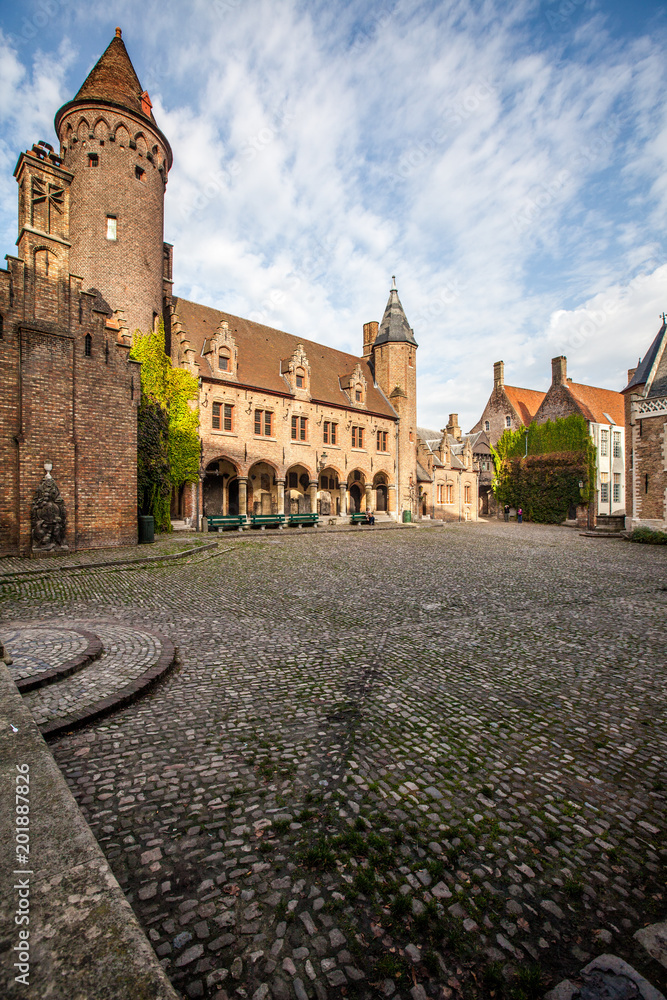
(139,173)
(487,425)
(88,345)
(93,160)
(112,232)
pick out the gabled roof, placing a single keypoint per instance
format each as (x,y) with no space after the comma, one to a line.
(526,402)
(261,350)
(598,405)
(422,475)
(645,374)
(394,327)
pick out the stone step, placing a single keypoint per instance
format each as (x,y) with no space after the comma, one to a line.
(43,655)
(127,662)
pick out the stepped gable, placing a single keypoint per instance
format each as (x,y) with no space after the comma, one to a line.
(598,405)
(262,348)
(394,327)
(526,402)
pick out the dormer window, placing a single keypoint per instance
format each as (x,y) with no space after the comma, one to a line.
(224,361)
(358,393)
(300,378)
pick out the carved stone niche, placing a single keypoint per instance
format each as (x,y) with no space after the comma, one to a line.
(48,517)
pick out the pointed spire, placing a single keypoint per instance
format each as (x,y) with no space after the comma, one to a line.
(113,79)
(394,327)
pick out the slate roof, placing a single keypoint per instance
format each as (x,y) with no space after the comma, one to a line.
(526,402)
(261,350)
(394,327)
(658,385)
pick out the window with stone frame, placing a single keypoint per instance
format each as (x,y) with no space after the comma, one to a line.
(467,494)
(440,494)
(618,451)
(224,360)
(300,377)
(604,442)
(449,493)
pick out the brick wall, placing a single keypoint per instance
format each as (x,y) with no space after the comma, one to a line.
(127,270)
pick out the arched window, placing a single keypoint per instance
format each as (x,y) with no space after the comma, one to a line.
(358,392)
(487,425)
(224,360)
(88,345)
(300,378)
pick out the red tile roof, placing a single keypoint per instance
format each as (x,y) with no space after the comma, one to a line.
(526,402)
(261,350)
(598,404)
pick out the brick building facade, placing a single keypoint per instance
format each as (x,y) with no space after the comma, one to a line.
(646,434)
(286,424)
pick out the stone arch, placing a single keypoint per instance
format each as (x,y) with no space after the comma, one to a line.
(356,486)
(262,488)
(381,490)
(142,145)
(122,135)
(82,130)
(328,495)
(297,482)
(221,486)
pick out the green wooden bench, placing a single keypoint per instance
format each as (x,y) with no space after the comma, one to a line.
(267,520)
(301,519)
(357,519)
(218,522)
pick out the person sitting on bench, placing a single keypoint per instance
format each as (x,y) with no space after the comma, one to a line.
(370,517)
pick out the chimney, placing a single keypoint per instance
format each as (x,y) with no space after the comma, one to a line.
(370,333)
(559,370)
(499,375)
(453,426)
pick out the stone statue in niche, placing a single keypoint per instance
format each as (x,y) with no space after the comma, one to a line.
(48,516)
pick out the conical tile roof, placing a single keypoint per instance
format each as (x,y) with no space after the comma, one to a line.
(113,80)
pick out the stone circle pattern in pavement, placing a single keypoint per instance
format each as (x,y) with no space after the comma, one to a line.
(35,650)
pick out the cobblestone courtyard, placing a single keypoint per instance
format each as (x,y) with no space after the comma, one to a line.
(386,762)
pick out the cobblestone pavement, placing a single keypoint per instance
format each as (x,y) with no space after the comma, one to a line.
(127,654)
(35,650)
(404,764)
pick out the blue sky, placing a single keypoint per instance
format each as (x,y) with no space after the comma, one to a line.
(507,162)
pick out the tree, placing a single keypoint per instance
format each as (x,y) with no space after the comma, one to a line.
(168,432)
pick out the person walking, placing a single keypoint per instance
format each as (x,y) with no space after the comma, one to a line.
(519,515)
(506,511)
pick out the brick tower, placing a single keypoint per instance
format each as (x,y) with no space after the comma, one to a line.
(119,161)
(394,354)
